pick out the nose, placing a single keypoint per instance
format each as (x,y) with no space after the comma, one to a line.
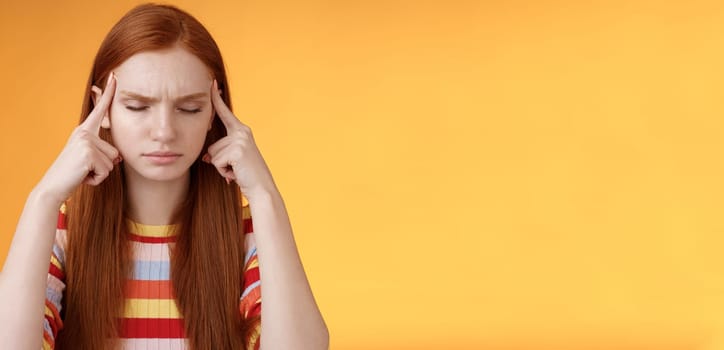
(163,128)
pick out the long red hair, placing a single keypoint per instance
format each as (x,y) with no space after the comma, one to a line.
(206,262)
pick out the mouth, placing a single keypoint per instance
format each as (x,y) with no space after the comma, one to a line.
(162,157)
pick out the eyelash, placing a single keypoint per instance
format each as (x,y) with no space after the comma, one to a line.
(138,109)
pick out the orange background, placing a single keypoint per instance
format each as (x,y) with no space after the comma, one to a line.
(459,174)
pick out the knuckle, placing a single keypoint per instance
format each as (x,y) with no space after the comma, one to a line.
(241,133)
(88,158)
(87,136)
(86,144)
(81,132)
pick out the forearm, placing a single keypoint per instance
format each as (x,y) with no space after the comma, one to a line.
(290,317)
(24,275)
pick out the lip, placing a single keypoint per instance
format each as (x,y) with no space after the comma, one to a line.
(162,154)
(162,157)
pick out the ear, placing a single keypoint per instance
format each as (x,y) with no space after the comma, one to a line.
(96,93)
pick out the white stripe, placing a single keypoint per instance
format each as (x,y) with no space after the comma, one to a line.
(61,239)
(156,344)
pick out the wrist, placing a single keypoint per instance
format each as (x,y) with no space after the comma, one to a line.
(264,193)
(42,194)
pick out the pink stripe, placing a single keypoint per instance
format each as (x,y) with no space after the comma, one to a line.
(150,251)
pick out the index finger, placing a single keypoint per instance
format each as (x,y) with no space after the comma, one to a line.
(225,114)
(93,122)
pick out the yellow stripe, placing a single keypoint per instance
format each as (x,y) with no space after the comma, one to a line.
(46,345)
(63,208)
(255,333)
(151,230)
(245,212)
(49,312)
(55,262)
(253,263)
(151,308)
(169,230)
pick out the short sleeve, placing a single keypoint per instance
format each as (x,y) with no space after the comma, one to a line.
(250,302)
(55,286)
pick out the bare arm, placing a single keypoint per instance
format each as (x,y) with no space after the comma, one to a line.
(85,159)
(24,275)
(290,318)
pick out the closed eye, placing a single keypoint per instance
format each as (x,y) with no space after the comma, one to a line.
(138,109)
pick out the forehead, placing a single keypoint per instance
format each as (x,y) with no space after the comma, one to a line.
(164,71)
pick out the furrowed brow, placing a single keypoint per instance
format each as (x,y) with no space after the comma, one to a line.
(148,99)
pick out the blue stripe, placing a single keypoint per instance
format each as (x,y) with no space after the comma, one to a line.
(152,270)
(249,288)
(54,296)
(46,327)
(251,252)
(59,254)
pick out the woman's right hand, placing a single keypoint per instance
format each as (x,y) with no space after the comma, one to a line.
(86,158)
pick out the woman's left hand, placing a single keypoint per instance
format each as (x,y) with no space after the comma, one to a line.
(236,155)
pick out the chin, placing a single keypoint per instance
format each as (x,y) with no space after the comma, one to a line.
(166,176)
(160,173)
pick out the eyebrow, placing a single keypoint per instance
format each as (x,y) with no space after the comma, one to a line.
(149,99)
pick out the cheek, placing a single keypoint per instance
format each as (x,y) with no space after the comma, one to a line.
(196,134)
(124,134)
(203,127)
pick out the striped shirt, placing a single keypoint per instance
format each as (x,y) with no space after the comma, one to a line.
(151,319)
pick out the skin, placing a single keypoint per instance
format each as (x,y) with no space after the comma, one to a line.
(168,124)
(290,315)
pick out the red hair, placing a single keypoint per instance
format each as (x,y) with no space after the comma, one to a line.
(206,262)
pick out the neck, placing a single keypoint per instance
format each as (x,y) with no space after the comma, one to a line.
(154,202)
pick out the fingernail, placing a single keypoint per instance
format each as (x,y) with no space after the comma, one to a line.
(205,158)
(228,181)
(110,77)
(117,160)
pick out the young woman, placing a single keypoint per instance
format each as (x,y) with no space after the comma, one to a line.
(153,246)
